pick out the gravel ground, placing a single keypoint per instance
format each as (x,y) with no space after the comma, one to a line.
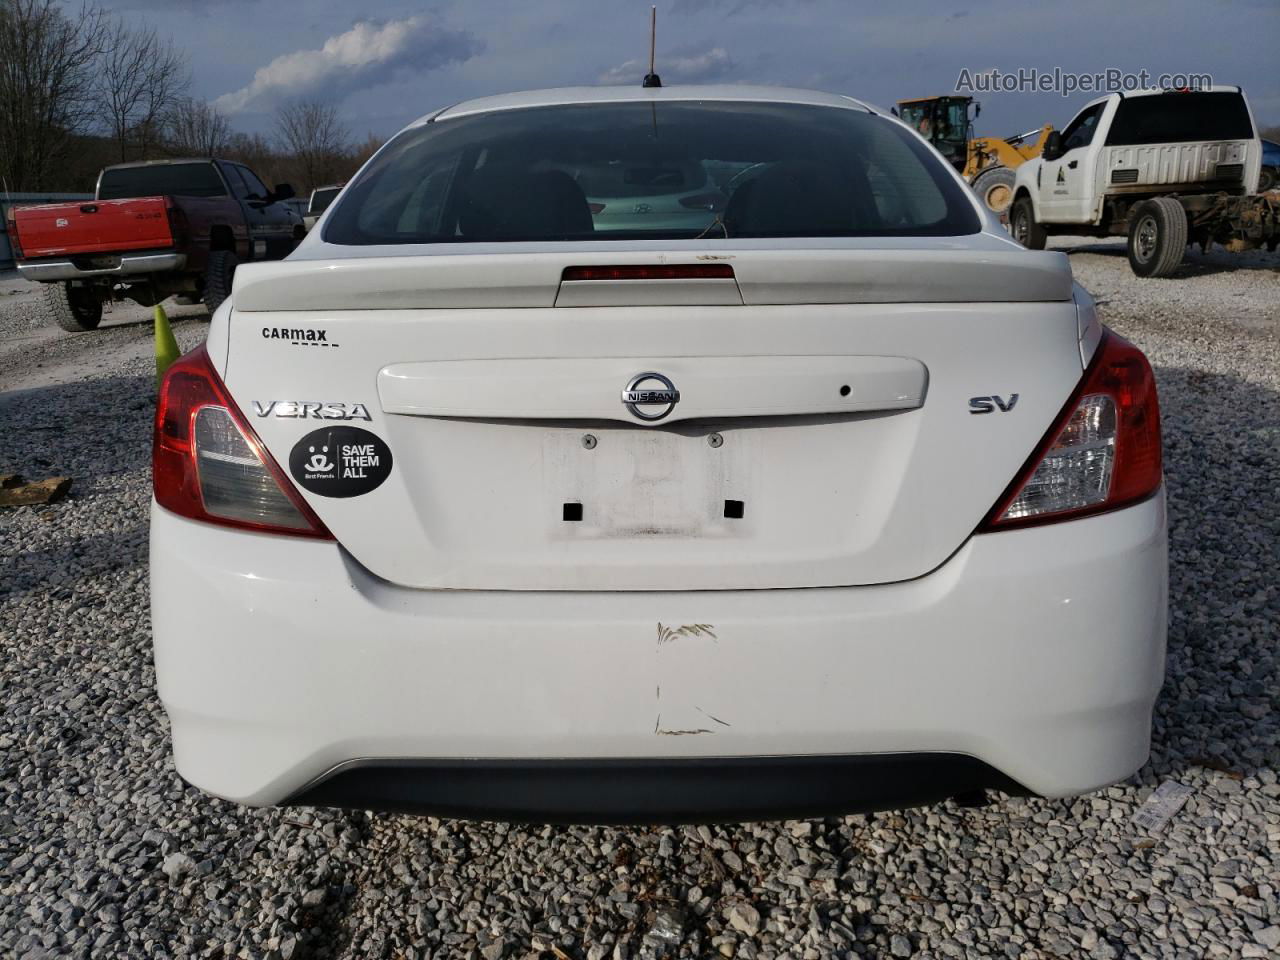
(105,852)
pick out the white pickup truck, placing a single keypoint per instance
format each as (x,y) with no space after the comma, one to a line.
(1164,168)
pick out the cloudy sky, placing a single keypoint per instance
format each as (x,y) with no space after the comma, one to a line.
(386,63)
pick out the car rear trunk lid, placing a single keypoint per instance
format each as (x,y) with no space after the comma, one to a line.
(822,434)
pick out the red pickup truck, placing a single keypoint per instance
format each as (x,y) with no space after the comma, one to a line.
(154,230)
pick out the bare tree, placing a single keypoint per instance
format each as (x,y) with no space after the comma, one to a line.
(168,79)
(256,153)
(139,80)
(197,127)
(47,62)
(363,151)
(312,133)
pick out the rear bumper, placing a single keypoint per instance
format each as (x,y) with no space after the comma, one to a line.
(289,673)
(128,264)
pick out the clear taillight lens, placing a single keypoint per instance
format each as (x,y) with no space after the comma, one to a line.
(1102,453)
(207,463)
(1076,470)
(234,482)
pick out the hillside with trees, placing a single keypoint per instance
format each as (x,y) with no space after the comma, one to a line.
(81,89)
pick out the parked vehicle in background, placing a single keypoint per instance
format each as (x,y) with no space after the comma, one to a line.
(1164,168)
(321,197)
(298,205)
(8,200)
(831,499)
(674,195)
(986,163)
(1269,178)
(153,230)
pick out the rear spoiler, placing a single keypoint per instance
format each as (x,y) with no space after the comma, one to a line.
(507,280)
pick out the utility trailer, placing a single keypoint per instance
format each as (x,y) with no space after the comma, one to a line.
(1163,168)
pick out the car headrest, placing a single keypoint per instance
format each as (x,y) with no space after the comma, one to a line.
(502,203)
(791,199)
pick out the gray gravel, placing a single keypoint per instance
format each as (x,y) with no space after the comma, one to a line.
(105,852)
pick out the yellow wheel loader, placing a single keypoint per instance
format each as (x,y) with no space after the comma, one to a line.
(986,163)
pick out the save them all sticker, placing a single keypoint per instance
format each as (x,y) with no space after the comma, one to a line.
(340,461)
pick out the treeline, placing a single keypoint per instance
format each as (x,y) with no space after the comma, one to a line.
(82,89)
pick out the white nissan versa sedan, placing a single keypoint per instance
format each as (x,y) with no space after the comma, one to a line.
(834,500)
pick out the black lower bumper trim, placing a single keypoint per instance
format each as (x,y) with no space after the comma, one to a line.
(710,790)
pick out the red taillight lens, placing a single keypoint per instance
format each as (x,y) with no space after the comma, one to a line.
(639,271)
(179,226)
(1103,452)
(208,464)
(11,228)
(596,208)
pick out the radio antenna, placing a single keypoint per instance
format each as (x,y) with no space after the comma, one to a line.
(651,79)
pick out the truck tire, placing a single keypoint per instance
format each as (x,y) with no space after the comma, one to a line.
(74,309)
(1023,226)
(217,278)
(1267,179)
(1157,237)
(994,187)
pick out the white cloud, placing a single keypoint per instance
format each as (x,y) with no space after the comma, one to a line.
(691,68)
(369,54)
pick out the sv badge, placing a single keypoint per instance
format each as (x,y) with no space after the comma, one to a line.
(992,403)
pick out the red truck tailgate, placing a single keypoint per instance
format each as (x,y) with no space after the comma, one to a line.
(93,226)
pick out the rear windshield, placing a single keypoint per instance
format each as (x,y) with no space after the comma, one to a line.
(674,170)
(1180,118)
(161,180)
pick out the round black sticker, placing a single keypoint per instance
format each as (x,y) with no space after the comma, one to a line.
(340,461)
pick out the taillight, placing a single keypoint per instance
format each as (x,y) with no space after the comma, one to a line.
(12,229)
(208,464)
(1103,452)
(596,208)
(179,226)
(638,271)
